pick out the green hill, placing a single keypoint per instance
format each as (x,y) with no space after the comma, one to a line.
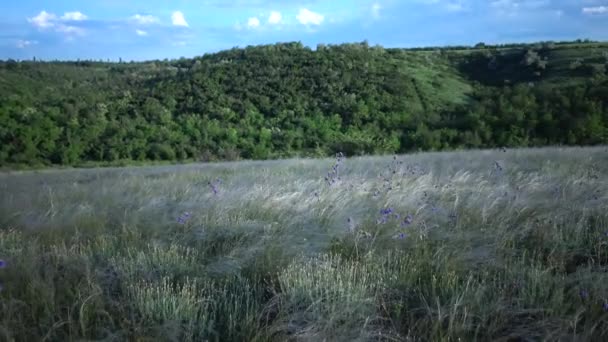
(286,99)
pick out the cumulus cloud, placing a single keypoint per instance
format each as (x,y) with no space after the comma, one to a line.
(141,32)
(595,10)
(144,19)
(275,18)
(74,16)
(308,17)
(70,30)
(178,19)
(21,44)
(43,20)
(253,22)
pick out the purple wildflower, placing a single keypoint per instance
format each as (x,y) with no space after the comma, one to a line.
(407,221)
(584,294)
(605,306)
(214,186)
(2,263)
(182,219)
(386,211)
(401,236)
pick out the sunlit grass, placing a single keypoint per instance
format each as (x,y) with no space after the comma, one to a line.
(475,245)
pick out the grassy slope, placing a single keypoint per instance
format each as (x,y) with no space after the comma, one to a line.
(514,251)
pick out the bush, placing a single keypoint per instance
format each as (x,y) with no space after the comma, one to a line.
(161,152)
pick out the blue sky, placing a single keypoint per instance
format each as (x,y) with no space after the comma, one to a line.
(155,29)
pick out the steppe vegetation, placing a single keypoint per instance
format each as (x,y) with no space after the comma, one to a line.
(508,244)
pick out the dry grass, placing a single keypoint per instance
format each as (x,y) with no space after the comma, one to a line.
(478,245)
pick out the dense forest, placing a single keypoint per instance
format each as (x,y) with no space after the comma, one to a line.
(286,99)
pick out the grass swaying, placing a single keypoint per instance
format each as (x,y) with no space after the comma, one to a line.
(478,245)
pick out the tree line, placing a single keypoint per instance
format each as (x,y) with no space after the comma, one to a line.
(286,100)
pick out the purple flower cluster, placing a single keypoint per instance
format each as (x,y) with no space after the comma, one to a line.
(183,218)
(407,220)
(584,295)
(215,186)
(333,176)
(2,265)
(388,213)
(385,215)
(392,170)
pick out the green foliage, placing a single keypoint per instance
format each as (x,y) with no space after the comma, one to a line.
(285,100)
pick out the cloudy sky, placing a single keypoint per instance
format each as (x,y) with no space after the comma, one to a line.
(158,29)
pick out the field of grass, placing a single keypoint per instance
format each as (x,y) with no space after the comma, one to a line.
(479,245)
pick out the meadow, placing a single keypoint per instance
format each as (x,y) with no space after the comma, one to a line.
(505,245)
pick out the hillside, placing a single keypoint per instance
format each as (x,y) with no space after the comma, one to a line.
(286,99)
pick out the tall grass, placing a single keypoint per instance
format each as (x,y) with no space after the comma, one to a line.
(476,245)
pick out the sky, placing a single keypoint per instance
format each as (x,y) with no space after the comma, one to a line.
(159,29)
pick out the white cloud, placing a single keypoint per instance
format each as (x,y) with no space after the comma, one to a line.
(141,32)
(307,17)
(70,30)
(46,20)
(74,16)
(43,20)
(177,18)
(516,4)
(595,10)
(454,6)
(21,44)
(376,10)
(253,22)
(275,18)
(144,19)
